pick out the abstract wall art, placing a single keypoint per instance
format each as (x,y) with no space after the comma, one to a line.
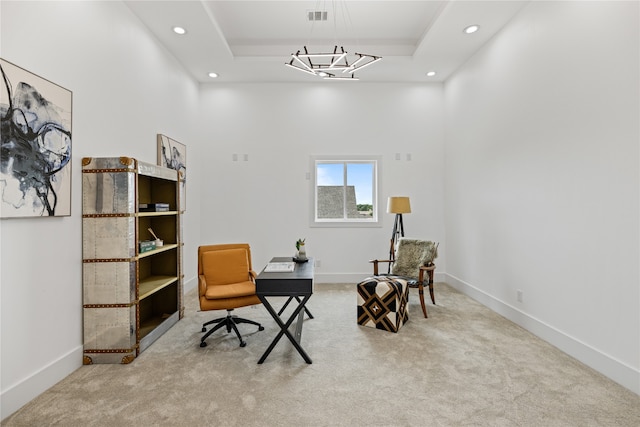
(35,140)
(173,155)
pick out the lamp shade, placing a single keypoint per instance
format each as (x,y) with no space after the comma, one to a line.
(398,205)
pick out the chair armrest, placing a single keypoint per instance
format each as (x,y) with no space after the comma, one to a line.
(429,268)
(375,264)
(202,285)
(252,275)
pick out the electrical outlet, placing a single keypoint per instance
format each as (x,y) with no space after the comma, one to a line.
(318,263)
(397,156)
(519,295)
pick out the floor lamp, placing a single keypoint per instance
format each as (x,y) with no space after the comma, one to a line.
(397,205)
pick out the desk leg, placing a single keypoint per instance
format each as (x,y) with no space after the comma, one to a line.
(284,307)
(298,333)
(284,329)
(306,310)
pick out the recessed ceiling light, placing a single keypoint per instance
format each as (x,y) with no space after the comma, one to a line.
(213,75)
(431,73)
(471,29)
(179,30)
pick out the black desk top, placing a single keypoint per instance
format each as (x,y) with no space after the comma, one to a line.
(297,282)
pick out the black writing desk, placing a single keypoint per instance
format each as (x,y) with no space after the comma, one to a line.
(294,285)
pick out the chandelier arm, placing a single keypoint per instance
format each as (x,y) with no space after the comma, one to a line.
(308,58)
(366,64)
(300,69)
(303,63)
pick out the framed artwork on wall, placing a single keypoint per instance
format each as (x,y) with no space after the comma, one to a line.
(35,139)
(173,155)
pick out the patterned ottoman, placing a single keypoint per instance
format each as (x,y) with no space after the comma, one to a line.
(382,303)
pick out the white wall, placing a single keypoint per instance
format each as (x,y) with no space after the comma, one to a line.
(125,90)
(542,179)
(265,200)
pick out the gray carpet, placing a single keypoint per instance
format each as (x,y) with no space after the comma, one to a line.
(464,366)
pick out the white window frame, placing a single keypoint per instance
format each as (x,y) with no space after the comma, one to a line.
(374,220)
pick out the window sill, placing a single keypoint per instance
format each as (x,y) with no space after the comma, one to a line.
(345,224)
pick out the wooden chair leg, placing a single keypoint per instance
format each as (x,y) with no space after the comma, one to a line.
(433,298)
(429,269)
(421,293)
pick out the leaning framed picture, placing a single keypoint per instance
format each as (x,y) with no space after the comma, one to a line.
(173,155)
(35,135)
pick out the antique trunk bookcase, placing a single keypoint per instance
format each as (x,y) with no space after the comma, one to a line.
(129,298)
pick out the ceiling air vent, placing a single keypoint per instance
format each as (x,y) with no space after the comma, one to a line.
(317,15)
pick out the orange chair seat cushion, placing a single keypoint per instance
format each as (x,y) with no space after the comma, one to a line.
(242,289)
(228,303)
(225,266)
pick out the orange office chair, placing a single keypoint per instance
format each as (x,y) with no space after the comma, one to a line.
(226,281)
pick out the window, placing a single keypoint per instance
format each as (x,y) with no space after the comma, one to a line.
(345,191)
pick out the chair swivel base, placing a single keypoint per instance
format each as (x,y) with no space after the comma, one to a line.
(230,323)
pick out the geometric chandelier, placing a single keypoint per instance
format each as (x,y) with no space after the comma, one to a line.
(331,66)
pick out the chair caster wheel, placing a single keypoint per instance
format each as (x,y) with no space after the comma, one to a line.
(203,344)
(261,328)
(204,329)
(243,344)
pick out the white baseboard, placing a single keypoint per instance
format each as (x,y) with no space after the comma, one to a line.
(190,284)
(623,374)
(18,395)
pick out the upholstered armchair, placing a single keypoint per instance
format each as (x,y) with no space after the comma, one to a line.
(414,263)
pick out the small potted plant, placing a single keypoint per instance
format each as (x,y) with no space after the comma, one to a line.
(301,250)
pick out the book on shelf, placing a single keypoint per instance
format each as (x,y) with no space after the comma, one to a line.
(146,246)
(153,207)
(280,267)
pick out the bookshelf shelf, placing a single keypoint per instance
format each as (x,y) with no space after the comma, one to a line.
(157,213)
(152,284)
(158,250)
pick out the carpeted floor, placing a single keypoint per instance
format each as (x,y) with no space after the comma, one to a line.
(464,366)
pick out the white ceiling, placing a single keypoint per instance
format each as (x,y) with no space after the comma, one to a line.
(250,41)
